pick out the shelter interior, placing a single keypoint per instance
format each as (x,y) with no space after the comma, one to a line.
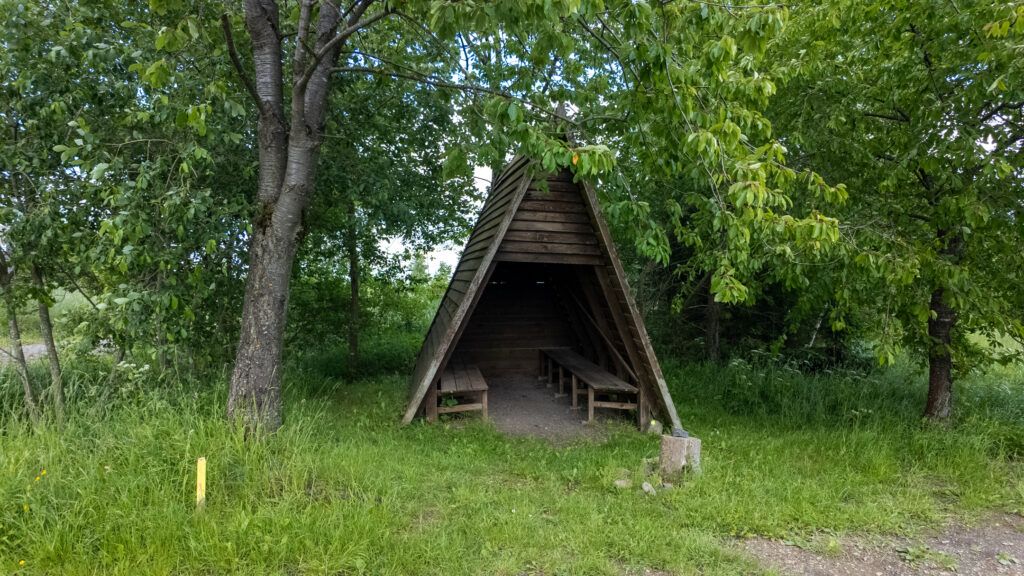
(527,307)
(539,291)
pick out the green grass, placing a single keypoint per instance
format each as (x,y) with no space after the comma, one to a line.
(342,489)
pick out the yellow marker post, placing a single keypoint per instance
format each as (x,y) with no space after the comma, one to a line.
(201,482)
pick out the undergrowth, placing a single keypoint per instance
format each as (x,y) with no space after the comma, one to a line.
(343,489)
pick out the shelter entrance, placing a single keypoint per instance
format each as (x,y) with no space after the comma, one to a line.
(538,335)
(539,288)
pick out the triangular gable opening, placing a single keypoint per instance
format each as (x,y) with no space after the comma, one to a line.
(539,272)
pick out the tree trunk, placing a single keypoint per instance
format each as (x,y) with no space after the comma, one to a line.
(288,154)
(46,329)
(940,358)
(712,325)
(255,393)
(352,245)
(940,336)
(19,354)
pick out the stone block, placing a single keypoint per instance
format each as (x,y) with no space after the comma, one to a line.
(678,454)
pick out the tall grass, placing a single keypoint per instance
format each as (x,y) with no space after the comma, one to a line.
(343,489)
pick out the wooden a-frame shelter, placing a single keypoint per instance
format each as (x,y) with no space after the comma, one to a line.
(540,271)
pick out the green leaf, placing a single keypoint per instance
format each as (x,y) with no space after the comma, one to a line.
(98,170)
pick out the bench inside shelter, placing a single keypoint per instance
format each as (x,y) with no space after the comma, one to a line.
(602,388)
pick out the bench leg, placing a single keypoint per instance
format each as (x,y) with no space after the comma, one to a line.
(551,371)
(431,402)
(561,383)
(643,411)
(575,403)
(483,402)
(541,364)
(590,404)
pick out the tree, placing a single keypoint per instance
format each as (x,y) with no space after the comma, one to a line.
(392,176)
(918,107)
(676,85)
(288,155)
(122,128)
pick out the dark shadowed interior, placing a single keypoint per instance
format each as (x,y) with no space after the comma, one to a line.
(526,307)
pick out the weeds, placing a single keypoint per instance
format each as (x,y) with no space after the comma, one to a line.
(342,488)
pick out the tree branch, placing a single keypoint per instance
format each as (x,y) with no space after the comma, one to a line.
(424,79)
(354,25)
(607,46)
(884,116)
(225,24)
(301,50)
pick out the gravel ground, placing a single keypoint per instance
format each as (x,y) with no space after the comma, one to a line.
(524,406)
(993,547)
(32,351)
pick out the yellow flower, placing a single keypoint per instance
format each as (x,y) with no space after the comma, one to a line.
(43,473)
(24,507)
(37,478)
(21,562)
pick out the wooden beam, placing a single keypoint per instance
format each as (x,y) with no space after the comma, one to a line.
(585,337)
(607,340)
(586,260)
(659,385)
(458,323)
(620,322)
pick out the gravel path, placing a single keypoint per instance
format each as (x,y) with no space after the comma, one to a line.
(32,351)
(994,547)
(523,406)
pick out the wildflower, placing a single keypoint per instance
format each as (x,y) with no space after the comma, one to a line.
(25,507)
(37,478)
(43,473)
(21,562)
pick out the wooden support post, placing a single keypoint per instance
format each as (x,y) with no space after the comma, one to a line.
(575,402)
(483,402)
(201,483)
(561,382)
(431,402)
(643,409)
(590,403)
(551,371)
(540,365)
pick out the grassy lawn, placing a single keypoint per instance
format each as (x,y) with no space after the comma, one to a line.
(342,489)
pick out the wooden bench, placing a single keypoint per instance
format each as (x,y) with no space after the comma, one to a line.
(595,379)
(462,382)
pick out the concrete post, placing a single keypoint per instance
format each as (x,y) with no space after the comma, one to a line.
(678,453)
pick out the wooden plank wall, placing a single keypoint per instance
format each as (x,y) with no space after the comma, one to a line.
(552,226)
(517,314)
(470,266)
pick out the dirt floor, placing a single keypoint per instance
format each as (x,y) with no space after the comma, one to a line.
(524,406)
(993,547)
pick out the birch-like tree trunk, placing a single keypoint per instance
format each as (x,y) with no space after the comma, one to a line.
(289,148)
(14,331)
(354,273)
